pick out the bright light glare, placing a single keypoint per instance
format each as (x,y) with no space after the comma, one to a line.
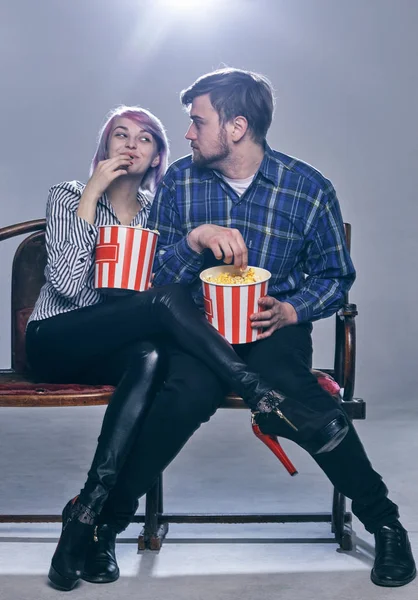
(184,5)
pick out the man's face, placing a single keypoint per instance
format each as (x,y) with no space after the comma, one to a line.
(208,138)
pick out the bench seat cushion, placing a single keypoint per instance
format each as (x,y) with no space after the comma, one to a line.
(17,391)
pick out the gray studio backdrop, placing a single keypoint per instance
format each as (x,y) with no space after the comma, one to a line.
(346,83)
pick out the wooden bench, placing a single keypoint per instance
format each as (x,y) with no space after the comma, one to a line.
(17,390)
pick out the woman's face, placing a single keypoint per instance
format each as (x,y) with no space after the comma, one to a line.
(128,138)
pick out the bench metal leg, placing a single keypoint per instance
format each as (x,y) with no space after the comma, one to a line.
(341,522)
(153,532)
(157,523)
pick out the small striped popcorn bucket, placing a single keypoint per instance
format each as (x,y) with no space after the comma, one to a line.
(228,306)
(124,257)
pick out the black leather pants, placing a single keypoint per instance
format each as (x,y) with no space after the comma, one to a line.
(71,346)
(122,422)
(79,338)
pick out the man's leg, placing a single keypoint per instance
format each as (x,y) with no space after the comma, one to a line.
(190,396)
(284,361)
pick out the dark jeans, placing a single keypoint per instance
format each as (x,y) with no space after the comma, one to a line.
(284,361)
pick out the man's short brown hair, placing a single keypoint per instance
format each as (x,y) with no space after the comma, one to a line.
(233,93)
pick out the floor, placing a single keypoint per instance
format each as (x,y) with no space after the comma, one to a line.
(224,467)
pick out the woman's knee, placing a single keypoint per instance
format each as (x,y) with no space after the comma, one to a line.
(146,356)
(152,352)
(146,349)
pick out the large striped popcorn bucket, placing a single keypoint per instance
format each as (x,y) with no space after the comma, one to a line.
(124,257)
(228,306)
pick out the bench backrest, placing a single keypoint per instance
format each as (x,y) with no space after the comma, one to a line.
(27,279)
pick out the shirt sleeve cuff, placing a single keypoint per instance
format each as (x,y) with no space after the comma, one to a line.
(187,256)
(83,235)
(302,308)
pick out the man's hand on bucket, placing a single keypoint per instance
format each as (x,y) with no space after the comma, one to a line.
(273,315)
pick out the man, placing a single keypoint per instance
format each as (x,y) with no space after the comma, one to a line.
(236,200)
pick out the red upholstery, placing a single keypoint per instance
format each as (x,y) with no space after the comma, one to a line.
(328,383)
(52,389)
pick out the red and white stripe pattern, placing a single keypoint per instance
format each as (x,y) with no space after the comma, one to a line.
(124,257)
(228,309)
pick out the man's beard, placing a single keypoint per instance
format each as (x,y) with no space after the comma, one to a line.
(214,159)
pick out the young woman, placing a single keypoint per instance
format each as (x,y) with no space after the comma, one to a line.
(79,333)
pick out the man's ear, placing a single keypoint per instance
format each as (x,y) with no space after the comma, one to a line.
(239,128)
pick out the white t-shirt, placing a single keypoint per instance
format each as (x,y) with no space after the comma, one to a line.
(239,185)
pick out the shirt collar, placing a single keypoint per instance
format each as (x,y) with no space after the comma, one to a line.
(144,200)
(206,173)
(269,166)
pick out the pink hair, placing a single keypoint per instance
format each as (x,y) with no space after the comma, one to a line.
(148,122)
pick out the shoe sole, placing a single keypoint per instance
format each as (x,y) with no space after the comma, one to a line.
(394,583)
(334,442)
(99,579)
(329,437)
(60,582)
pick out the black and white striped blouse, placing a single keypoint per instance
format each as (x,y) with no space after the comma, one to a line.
(70,245)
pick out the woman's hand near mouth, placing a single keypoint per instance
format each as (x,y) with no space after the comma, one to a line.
(104,174)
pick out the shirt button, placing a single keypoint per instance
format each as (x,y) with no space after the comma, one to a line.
(91,232)
(82,260)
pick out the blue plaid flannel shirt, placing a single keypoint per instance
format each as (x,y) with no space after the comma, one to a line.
(290,220)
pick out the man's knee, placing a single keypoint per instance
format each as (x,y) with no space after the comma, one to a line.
(196,397)
(284,360)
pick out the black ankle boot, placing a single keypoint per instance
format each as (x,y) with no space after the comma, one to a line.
(316,432)
(394,564)
(123,418)
(77,530)
(101,565)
